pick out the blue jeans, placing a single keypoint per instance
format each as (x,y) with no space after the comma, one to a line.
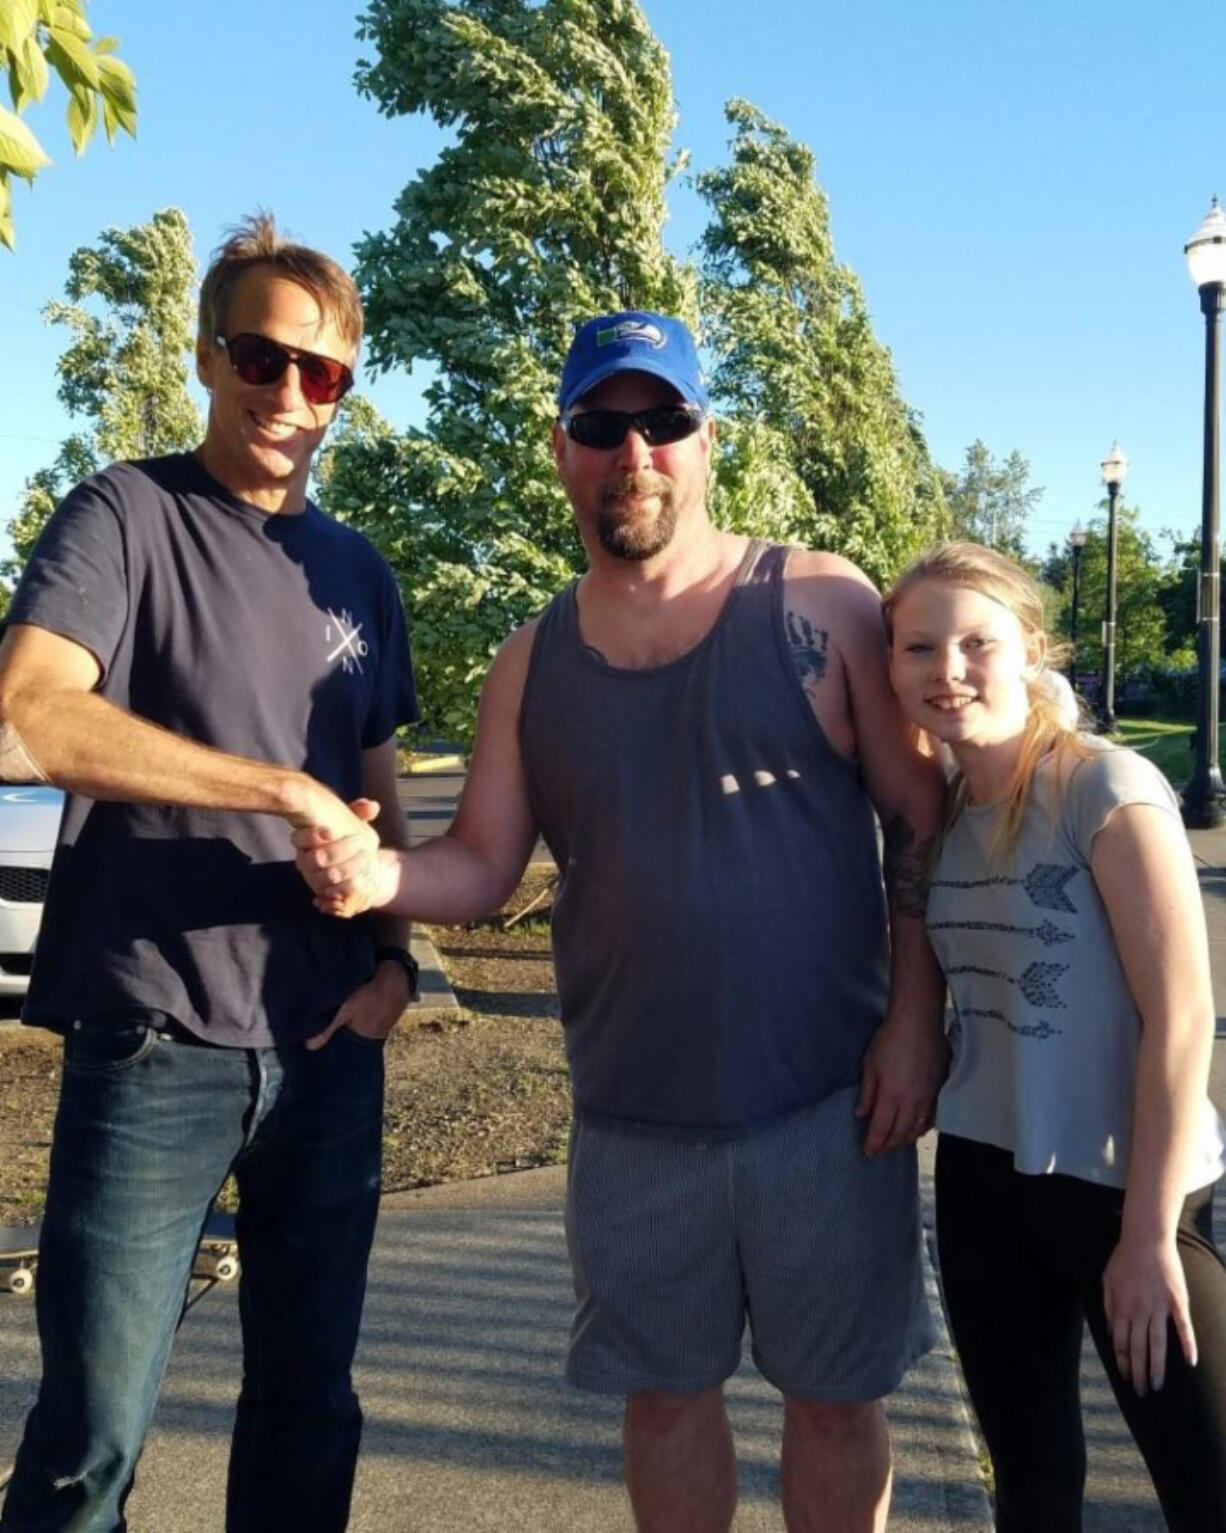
(147,1129)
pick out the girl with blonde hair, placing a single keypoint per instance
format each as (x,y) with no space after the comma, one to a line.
(1078,1148)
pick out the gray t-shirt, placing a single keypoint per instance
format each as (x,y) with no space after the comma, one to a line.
(279,638)
(1045,1030)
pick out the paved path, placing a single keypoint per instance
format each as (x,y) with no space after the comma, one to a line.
(430,798)
(469,1425)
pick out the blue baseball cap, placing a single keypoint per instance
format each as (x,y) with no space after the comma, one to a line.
(634,341)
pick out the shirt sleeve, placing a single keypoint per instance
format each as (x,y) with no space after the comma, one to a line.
(394,701)
(1107,781)
(75,583)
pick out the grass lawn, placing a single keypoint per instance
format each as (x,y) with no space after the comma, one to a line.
(1166,743)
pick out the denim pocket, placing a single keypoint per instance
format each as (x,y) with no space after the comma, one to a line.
(93,1049)
(360,1039)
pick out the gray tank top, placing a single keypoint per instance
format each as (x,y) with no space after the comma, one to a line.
(719,931)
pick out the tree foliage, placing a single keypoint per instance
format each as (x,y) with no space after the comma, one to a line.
(1178,599)
(990,502)
(755,488)
(37,37)
(546,206)
(1142,578)
(40,495)
(798,366)
(125,371)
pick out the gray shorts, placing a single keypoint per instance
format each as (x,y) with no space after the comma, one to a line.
(675,1244)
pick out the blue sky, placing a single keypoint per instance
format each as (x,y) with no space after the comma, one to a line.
(1012,184)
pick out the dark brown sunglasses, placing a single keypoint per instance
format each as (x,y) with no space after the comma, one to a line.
(258,360)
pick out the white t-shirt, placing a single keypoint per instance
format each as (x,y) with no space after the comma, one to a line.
(1045,1030)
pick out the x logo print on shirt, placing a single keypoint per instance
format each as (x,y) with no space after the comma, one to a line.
(352,648)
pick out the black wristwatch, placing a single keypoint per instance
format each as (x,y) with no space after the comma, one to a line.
(405,959)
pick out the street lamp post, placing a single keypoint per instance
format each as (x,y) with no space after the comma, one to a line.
(1076,541)
(1202,798)
(1114,467)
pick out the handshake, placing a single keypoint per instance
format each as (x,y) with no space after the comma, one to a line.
(337,851)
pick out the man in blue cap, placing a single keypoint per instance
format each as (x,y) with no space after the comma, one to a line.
(701,727)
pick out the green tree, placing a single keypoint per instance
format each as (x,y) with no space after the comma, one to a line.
(1140,631)
(36,37)
(546,206)
(40,495)
(1178,599)
(124,374)
(126,369)
(990,502)
(755,488)
(798,368)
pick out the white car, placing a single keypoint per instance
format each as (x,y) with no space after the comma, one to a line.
(29,823)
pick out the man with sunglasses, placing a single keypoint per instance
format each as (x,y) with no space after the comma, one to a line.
(700,727)
(204,660)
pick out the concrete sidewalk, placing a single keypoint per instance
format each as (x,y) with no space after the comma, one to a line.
(469,1424)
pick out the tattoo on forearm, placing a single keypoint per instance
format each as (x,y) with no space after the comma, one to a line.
(907,865)
(808,646)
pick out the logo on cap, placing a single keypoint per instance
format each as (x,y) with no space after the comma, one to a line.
(631,330)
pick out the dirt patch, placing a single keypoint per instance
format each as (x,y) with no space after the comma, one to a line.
(29,1089)
(468,1096)
(488,1092)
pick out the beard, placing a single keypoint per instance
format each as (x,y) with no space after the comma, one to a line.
(630,531)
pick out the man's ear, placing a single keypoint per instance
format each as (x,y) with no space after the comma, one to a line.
(204,360)
(558,437)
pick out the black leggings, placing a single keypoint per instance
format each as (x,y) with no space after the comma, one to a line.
(1022,1261)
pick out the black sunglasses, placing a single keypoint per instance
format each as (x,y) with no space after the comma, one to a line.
(659,427)
(258,360)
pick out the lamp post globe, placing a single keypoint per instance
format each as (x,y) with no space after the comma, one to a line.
(1204,794)
(1114,472)
(1076,542)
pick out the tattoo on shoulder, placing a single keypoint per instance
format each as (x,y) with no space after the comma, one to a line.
(907,865)
(808,646)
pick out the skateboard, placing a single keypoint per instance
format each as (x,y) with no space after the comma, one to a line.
(215,1261)
(18,1259)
